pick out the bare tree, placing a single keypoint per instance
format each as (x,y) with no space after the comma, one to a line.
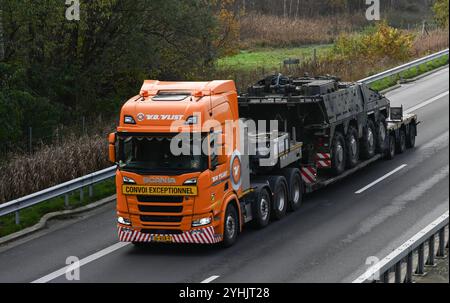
(2,45)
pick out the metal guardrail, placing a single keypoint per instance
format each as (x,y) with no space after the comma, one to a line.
(404,67)
(64,189)
(391,268)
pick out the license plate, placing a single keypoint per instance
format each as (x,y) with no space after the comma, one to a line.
(137,190)
(157,238)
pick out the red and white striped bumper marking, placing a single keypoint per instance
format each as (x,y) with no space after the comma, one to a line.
(309,174)
(323,160)
(199,236)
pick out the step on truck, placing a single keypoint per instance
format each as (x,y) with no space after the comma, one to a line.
(196,161)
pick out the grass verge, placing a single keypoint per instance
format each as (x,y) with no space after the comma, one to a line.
(31,216)
(409,74)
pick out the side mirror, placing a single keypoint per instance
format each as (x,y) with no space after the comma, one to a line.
(112,147)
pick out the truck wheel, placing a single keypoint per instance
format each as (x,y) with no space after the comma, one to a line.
(280,198)
(369,141)
(352,147)
(231,226)
(411,140)
(401,142)
(390,151)
(381,135)
(261,209)
(338,154)
(295,188)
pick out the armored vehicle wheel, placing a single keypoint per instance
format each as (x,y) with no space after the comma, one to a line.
(231,226)
(390,151)
(338,154)
(401,142)
(352,147)
(382,136)
(295,188)
(411,139)
(280,198)
(368,141)
(261,209)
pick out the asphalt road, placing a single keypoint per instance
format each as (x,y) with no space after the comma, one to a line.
(328,240)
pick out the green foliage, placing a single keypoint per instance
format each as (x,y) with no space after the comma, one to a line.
(441,10)
(57,70)
(375,44)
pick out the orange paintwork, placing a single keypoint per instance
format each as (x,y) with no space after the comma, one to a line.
(213,101)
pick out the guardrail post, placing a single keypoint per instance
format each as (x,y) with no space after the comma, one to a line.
(431,252)
(409,268)
(81,195)
(386,276)
(17,217)
(421,256)
(398,272)
(91,191)
(66,200)
(441,249)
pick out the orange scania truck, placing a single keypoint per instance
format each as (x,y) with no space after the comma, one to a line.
(196,161)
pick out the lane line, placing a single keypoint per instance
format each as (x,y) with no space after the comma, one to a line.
(84,261)
(380,179)
(425,103)
(210,279)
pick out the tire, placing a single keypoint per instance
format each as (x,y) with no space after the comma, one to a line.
(352,147)
(280,198)
(382,135)
(230,226)
(411,139)
(295,188)
(368,143)
(261,209)
(390,151)
(401,142)
(338,154)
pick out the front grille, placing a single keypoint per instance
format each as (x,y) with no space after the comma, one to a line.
(161,232)
(160,199)
(160,209)
(166,219)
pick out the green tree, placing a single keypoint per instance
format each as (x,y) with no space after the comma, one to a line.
(440,9)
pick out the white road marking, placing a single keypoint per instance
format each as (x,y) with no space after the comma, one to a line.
(381,179)
(210,279)
(84,261)
(425,103)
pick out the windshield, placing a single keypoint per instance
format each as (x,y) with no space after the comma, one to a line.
(153,155)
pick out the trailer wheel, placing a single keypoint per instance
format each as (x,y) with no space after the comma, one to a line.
(401,142)
(411,140)
(280,198)
(369,141)
(352,147)
(231,226)
(295,188)
(338,154)
(382,136)
(390,151)
(261,209)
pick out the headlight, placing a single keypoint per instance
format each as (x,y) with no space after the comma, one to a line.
(124,221)
(201,222)
(127,180)
(129,120)
(192,181)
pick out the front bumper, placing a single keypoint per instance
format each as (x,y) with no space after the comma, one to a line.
(198,236)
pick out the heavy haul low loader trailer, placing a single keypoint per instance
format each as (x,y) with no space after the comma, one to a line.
(324,131)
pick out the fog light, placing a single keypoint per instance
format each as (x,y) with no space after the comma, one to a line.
(129,120)
(124,221)
(201,222)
